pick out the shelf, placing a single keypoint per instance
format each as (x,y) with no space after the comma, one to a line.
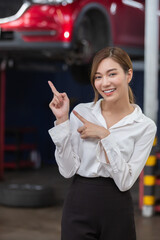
(23,130)
(18,145)
(21,147)
(20,164)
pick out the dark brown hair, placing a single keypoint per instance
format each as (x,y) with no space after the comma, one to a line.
(119,56)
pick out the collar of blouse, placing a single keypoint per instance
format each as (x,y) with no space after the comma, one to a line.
(135,116)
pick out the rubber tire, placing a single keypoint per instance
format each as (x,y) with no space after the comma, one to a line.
(26,195)
(84,34)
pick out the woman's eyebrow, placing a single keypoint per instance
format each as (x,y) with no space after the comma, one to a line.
(110,70)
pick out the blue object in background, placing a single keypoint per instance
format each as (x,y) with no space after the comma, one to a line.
(27,103)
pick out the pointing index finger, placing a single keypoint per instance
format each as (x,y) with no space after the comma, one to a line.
(83,120)
(54,90)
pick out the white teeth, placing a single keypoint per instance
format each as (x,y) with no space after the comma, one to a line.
(109,91)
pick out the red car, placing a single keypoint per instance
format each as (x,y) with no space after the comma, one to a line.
(70,30)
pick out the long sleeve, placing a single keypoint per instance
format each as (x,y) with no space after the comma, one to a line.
(67,160)
(125,172)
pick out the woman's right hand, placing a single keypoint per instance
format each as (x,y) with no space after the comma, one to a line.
(59,104)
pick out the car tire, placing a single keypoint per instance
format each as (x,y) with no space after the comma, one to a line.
(83,52)
(26,195)
(83,42)
(90,36)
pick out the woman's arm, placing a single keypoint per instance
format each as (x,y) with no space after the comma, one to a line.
(126,173)
(67,160)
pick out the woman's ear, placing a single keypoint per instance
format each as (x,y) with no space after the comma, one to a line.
(130,74)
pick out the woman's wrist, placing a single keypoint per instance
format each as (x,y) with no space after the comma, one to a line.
(62,119)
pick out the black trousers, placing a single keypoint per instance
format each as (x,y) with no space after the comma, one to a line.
(95,209)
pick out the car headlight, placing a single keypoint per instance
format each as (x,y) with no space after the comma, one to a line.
(63,2)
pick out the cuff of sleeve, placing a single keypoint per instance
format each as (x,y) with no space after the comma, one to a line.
(109,143)
(100,154)
(112,151)
(59,131)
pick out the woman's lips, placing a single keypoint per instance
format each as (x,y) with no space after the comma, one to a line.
(109,91)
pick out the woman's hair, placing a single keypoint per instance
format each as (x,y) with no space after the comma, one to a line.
(119,56)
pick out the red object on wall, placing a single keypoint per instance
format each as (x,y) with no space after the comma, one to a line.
(141,189)
(2,115)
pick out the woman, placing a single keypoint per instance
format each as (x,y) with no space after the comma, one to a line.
(104,145)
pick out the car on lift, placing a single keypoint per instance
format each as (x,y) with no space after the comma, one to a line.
(69,30)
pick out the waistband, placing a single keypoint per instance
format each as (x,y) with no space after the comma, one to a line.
(106,181)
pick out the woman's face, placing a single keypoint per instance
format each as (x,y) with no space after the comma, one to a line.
(111,81)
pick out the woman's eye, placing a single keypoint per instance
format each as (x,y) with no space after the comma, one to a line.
(112,74)
(97,77)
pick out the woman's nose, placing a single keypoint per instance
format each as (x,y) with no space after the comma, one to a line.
(105,81)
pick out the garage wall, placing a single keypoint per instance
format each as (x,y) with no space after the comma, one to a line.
(27,99)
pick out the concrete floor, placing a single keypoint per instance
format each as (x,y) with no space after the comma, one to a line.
(44,223)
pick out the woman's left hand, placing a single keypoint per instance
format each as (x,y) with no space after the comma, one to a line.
(90,130)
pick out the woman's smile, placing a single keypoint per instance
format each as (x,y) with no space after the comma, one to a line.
(109,91)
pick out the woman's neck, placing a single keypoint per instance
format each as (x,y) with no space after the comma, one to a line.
(117,108)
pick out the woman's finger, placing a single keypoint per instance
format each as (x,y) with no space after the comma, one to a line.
(54,103)
(82,128)
(58,99)
(82,119)
(64,95)
(54,90)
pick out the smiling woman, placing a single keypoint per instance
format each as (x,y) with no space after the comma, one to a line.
(115,55)
(104,145)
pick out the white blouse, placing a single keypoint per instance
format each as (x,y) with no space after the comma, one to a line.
(127,146)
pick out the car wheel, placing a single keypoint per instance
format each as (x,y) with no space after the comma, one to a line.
(81,56)
(91,34)
(83,43)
